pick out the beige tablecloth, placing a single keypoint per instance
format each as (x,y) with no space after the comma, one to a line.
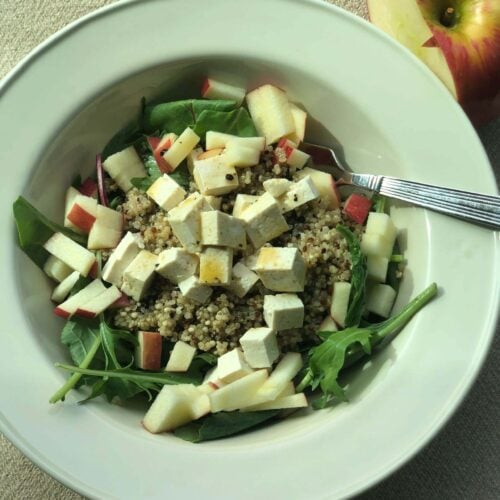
(462,462)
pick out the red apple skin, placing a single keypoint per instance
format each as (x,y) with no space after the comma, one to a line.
(151,355)
(61,312)
(205,87)
(123,301)
(88,188)
(93,270)
(81,218)
(153,142)
(357,207)
(84,313)
(471,47)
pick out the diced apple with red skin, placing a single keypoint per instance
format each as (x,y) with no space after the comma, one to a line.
(88,188)
(82,212)
(214,89)
(56,269)
(122,301)
(159,147)
(148,352)
(71,194)
(270,111)
(287,152)
(180,149)
(357,207)
(326,186)
(174,406)
(328,325)
(299,118)
(62,290)
(107,229)
(340,302)
(70,252)
(78,301)
(100,303)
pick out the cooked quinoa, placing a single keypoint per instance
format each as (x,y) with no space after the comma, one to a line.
(218,325)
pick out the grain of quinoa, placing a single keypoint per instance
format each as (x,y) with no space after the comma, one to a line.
(217,325)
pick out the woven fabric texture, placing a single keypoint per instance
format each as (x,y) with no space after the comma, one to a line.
(462,462)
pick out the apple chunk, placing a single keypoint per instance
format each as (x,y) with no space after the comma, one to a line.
(215,89)
(82,212)
(148,352)
(77,301)
(325,184)
(181,357)
(286,402)
(357,207)
(100,303)
(340,302)
(62,290)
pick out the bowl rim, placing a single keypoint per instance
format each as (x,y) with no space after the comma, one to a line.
(85,489)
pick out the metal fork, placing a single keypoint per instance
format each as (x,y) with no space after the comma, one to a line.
(472,207)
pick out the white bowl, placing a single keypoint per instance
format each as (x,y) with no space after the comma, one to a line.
(59,107)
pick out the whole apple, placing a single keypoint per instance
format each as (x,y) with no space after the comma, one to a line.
(458,39)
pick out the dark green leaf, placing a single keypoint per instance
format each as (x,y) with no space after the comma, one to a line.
(34,229)
(121,140)
(209,358)
(223,424)
(237,122)
(79,334)
(358,278)
(181,175)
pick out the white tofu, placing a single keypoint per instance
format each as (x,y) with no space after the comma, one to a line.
(232,366)
(181,357)
(139,274)
(194,290)
(242,280)
(298,194)
(71,253)
(56,269)
(192,157)
(166,192)
(181,148)
(241,202)
(283,311)
(124,166)
(260,347)
(277,187)
(251,261)
(264,220)
(122,256)
(376,268)
(176,264)
(185,220)
(214,201)
(214,177)
(215,266)
(281,269)
(220,229)
(220,140)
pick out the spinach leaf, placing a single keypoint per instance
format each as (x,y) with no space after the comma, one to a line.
(358,278)
(342,349)
(177,115)
(181,175)
(121,140)
(34,229)
(223,424)
(237,122)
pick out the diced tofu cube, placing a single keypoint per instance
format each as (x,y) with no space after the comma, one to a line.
(214,201)
(181,357)
(298,194)
(220,140)
(220,229)
(192,157)
(214,177)
(194,290)
(232,366)
(56,269)
(277,187)
(376,244)
(124,166)
(260,347)
(242,281)
(377,268)
(264,220)
(139,274)
(122,256)
(281,269)
(176,264)
(166,192)
(380,300)
(185,220)
(180,149)
(71,253)
(216,265)
(251,260)
(283,311)
(237,155)
(241,202)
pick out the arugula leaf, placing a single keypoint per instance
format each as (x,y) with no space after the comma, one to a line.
(222,424)
(34,229)
(79,335)
(237,122)
(358,278)
(341,349)
(177,115)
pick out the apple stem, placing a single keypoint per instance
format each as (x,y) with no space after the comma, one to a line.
(448,17)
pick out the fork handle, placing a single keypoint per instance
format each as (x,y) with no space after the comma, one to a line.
(477,208)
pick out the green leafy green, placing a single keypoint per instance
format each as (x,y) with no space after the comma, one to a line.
(341,349)
(181,175)
(237,122)
(34,229)
(122,140)
(379,203)
(358,278)
(223,424)
(176,116)
(80,335)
